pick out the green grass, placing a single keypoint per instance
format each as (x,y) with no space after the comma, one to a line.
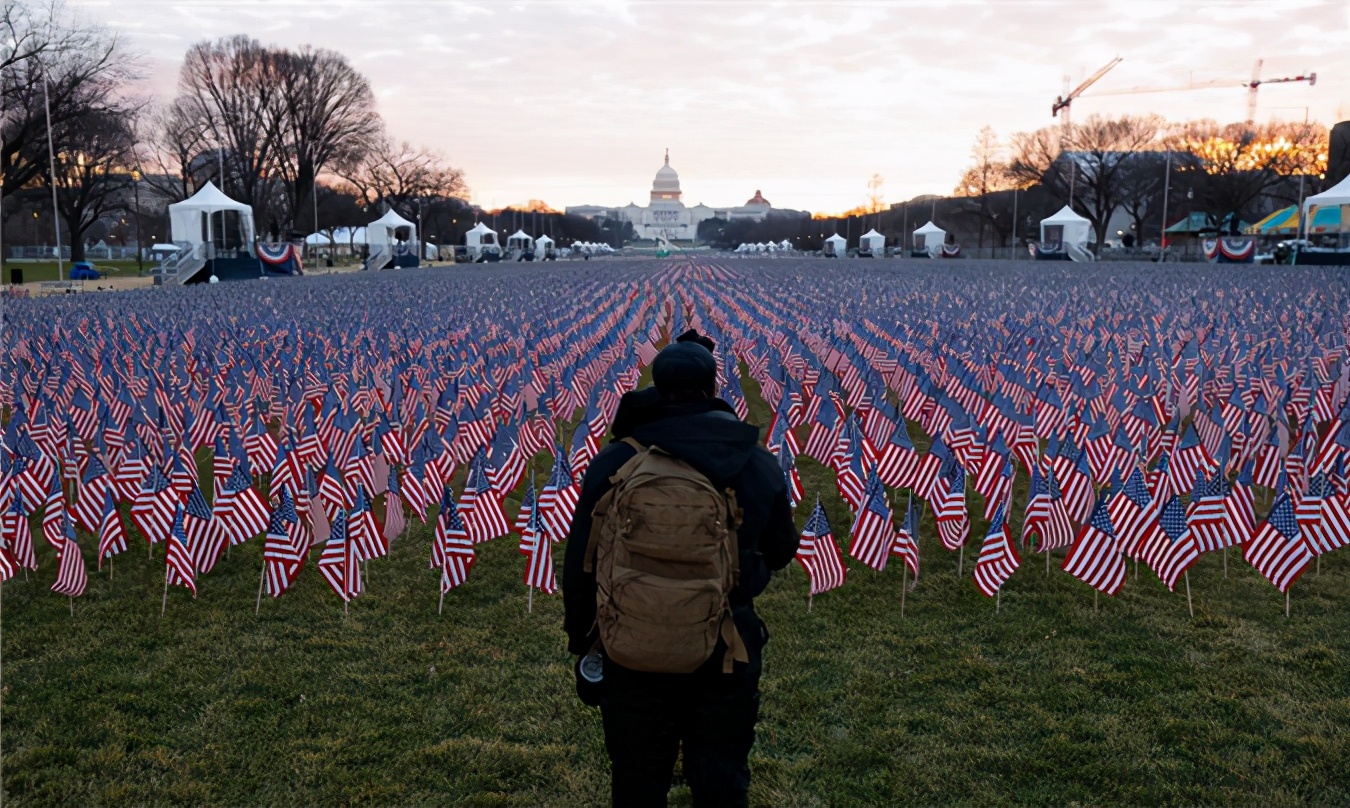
(38,271)
(1046,700)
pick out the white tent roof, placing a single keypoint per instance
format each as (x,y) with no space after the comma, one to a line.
(872,234)
(185,218)
(481,228)
(543,240)
(836,238)
(164,248)
(930,228)
(1066,215)
(1339,194)
(393,220)
(209,198)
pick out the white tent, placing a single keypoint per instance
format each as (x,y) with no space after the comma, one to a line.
(834,246)
(785,245)
(543,246)
(1338,194)
(385,230)
(481,236)
(929,236)
(1066,227)
(519,240)
(211,217)
(872,243)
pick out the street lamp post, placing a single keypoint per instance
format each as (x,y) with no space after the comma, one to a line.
(140,247)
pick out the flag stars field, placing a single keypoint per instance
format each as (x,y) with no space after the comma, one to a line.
(393,460)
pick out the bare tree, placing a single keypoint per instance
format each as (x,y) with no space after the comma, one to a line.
(228,90)
(1239,162)
(81,68)
(93,170)
(170,154)
(1085,163)
(328,118)
(401,177)
(983,183)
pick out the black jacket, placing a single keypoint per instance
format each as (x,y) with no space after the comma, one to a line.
(708,436)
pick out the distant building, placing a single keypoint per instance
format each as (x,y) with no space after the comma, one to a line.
(666,217)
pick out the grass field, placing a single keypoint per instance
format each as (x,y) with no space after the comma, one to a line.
(1046,700)
(39,271)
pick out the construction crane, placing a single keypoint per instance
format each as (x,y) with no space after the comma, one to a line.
(1257,81)
(1064,101)
(1252,86)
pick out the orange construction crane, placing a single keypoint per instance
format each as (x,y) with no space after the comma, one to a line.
(1064,101)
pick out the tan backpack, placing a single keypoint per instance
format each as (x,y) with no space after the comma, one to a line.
(663,548)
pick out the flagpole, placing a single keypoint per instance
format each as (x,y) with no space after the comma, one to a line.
(904,581)
(961,560)
(1286,604)
(164,601)
(440,607)
(1189,607)
(529,600)
(998,604)
(262,576)
(809,600)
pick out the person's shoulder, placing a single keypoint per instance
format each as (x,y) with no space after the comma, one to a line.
(763,465)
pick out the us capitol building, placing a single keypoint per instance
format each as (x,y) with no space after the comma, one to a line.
(666,216)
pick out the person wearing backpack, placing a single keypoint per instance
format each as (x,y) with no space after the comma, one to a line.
(680,521)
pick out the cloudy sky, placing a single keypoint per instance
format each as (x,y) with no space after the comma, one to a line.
(574,101)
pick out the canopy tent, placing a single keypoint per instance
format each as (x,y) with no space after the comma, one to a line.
(1285,222)
(1335,196)
(872,243)
(519,240)
(211,217)
(543,245)
(164,248)
(387,230)
(835,245)
(1200,222)
(1066,227)
(928,236)
(480,236)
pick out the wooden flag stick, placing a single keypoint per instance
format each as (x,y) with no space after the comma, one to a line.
(1095,593)
(150,550)
(440,607)
(346,607)
(809,600)
(262,576)
(961,561)
(904,581)
(1047,563)
(72,607)
(164,601)
(998,602)
(529,601)
(1286,603)
(1189,607)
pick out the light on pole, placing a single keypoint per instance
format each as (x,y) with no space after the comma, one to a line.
(140,247)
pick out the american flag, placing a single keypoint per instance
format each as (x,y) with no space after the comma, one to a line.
(204,533)
(1207,516)
(178,566)
(456,555)
(1327,526)
(479,505)
(71,575)
(998,557)
(338,564)
(245,512)
(364,531)
(18,533)
(539,572)
(283,556)
(873,532)
(558,499)
(112,535)
(1278,550)
(819,555)
(906,544)
(1171,551)
(526,512)
(394,520)
(1095,557)
(153,508)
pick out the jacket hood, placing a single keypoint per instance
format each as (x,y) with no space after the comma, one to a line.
(710,438)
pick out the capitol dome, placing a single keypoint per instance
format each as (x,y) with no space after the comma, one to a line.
(757,200)
(666,186)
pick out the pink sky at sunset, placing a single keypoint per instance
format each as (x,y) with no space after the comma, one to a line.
(574,102)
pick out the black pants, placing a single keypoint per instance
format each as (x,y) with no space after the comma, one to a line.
(649,717)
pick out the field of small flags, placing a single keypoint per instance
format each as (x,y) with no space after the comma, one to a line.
(1067,535)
